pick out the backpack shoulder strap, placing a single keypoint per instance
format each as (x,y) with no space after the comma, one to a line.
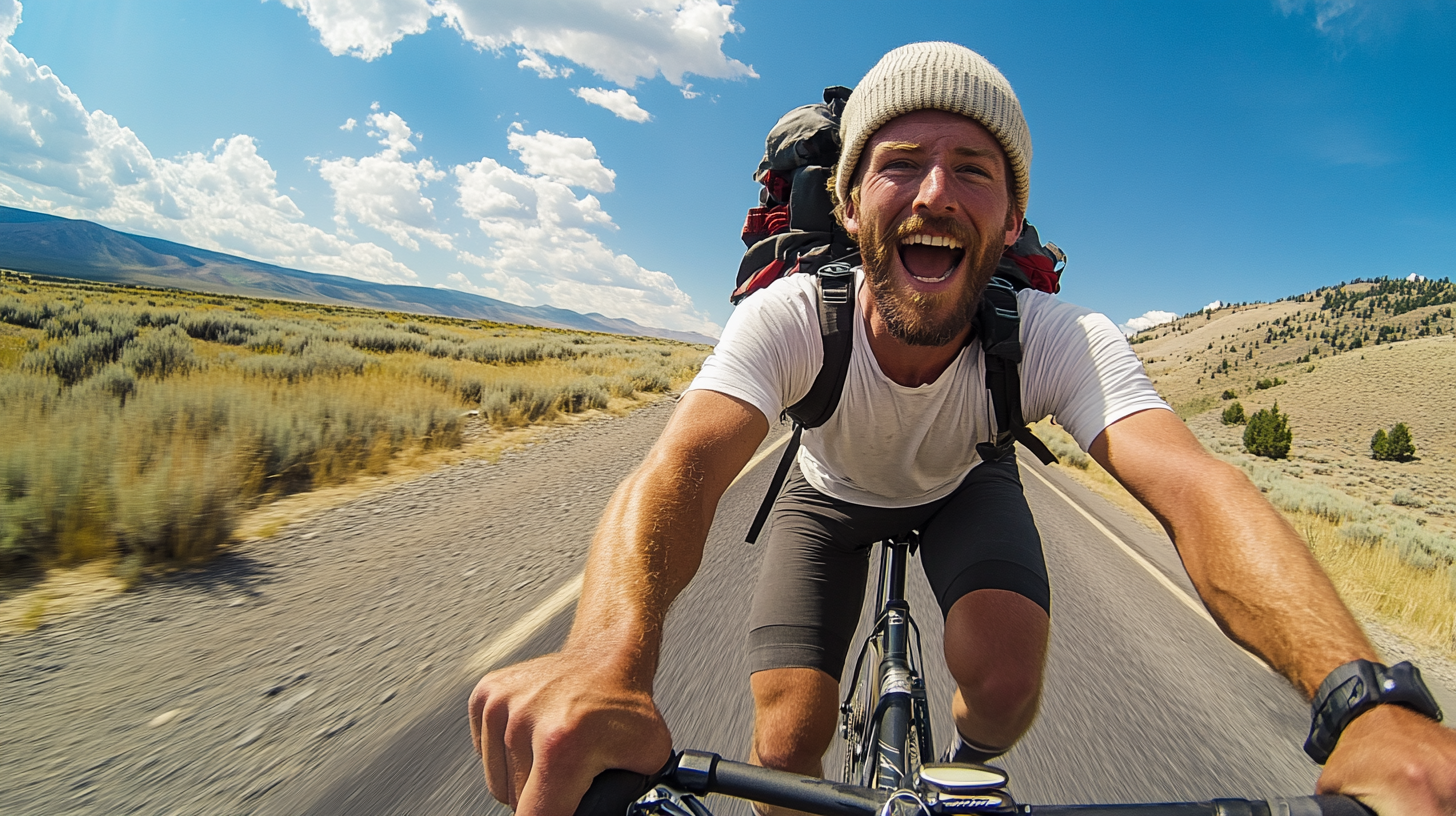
(836,331)
(835,290)
(999,325)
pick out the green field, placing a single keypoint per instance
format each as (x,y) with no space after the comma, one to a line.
(140,423)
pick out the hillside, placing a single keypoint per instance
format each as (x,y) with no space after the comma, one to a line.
(1352,359)
(42,244)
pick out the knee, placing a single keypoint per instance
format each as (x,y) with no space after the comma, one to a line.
(795,711)
(1002,688)
(995,648)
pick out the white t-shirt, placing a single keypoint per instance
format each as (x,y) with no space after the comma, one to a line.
(890,445)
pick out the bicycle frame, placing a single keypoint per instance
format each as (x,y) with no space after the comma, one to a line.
(899,721)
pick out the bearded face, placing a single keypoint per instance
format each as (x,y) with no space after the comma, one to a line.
(931,249)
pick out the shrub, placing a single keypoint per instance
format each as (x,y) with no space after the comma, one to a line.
(1395,446)
(1268,433)
(1266,383)
(81,356)
(116,381)
(220,327)
(1229,394)
(1234,414)
(161,353)
(1406,498)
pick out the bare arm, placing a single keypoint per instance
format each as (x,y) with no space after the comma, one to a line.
(1266,591)
(650,540)
(1248,564)
(546,727)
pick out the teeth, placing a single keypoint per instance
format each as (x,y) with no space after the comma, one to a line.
(932,280)
(932,240)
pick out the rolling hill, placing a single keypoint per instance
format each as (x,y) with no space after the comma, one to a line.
(1342,362)
(42,244)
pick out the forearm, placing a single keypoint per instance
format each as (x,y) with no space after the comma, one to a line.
(647,548)
(1253,571)
(1259,579)
(650,540)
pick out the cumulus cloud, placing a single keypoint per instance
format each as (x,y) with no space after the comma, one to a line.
(544,248)
(620,40)
(571,161)
(617,101)
(60,158)
(1146,321)
(384,191)
(1212,307)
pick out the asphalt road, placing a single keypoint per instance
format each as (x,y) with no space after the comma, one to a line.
(1144,700)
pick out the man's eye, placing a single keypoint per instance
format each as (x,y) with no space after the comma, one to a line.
(974,169)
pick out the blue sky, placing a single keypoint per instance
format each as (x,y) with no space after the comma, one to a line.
(596,154)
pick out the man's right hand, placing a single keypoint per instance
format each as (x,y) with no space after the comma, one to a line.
(545,728)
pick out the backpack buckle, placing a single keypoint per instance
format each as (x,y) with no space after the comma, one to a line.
(834,281)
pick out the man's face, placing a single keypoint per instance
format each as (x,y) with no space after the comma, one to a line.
(932,217)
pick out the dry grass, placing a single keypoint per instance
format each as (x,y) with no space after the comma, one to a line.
(143,426)
(1384,531)
(1419,605)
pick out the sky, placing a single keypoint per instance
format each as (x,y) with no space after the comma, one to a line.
(597,155)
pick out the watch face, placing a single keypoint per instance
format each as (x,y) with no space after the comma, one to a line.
(961,778)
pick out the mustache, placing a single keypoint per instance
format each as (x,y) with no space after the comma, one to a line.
(968,238)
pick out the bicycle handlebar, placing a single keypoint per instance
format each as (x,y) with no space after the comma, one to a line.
(701,773)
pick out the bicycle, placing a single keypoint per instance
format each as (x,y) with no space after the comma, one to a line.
(885,723)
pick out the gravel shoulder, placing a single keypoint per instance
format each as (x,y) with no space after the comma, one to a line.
(204,692)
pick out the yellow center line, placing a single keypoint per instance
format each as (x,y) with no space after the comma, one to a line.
(1138,559)
(566,595)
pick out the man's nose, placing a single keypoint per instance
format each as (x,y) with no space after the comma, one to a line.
(933,197)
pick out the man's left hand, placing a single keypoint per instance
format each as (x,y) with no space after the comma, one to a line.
(1396,761)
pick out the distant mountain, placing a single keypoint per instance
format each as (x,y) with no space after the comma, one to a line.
(49,245)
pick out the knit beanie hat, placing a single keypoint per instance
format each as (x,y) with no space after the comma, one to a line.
(939,76)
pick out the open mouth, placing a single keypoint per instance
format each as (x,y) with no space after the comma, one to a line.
(930,258)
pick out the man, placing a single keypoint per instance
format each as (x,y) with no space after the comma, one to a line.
(933,181)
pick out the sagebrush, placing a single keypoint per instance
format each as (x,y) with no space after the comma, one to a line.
(140,423)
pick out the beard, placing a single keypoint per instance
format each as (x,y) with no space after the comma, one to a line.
(917,318)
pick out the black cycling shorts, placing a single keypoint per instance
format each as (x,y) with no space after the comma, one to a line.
(813,578)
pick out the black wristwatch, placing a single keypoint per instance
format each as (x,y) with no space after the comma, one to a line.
(1357,687)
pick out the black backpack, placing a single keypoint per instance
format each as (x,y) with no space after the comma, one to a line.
(793,231)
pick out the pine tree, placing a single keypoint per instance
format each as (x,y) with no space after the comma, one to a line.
(1234,414)
(1395,446)
(1268,433)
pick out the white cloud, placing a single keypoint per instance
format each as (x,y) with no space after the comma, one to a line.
(1146,321)
(1415,278)
(571,161)
(1212,307)
(349,124)
(58,157)
(621,40)
(617,101)
(384,191)
(543,248)
(367,29)
(1360,21)
(688,92)
(545,70)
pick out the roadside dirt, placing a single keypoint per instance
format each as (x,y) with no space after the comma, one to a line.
(203,691)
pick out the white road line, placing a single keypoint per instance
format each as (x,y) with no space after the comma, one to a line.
(525,628)
(1138,558)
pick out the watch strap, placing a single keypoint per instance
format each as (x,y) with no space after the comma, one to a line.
(1353,689)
